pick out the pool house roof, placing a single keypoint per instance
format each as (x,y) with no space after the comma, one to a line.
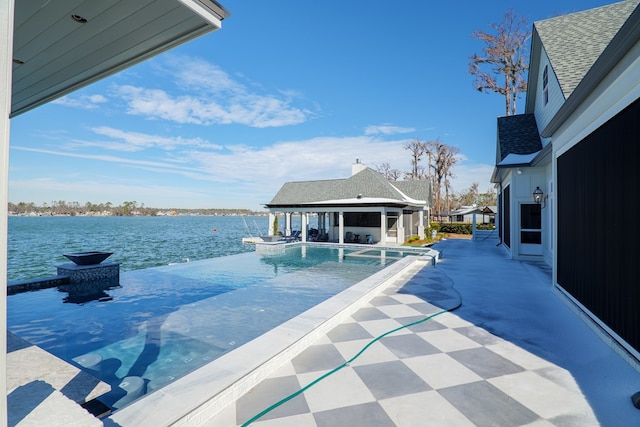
(365,188)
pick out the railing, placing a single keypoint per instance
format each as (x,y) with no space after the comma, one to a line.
(485,234)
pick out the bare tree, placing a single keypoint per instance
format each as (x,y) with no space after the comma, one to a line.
(472,195)
(390,174)
(469,196)
(442,159)
(506,57)
(418,148)
(395,174)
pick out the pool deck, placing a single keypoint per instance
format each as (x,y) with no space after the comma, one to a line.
(45,390)
(510,352)
(514,353)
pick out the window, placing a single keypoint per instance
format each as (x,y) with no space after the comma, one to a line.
(545,84)
(360,219)
(531,223)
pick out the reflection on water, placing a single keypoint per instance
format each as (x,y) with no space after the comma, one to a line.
(83,292)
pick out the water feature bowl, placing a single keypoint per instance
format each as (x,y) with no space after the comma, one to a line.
(88,258)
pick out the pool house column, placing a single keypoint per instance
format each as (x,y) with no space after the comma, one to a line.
(304,221)
(270,230)
(422,212)
(383,226)
(341,227)
(287,224)
(400,234)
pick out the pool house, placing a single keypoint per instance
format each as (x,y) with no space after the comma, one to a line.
(364,208)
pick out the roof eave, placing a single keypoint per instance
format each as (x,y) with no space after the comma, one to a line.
(82,60)
(532,78)
(540,158)
(210,10)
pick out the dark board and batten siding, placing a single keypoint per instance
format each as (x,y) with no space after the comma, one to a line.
(506,205)
(598,229)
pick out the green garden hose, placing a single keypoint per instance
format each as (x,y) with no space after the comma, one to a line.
(317,380)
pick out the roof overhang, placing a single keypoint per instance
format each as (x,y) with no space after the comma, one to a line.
(60,46)
(532,78)
(521,160)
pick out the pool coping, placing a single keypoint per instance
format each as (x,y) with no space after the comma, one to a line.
(201,394)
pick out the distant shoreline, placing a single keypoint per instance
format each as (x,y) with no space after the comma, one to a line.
(48,215)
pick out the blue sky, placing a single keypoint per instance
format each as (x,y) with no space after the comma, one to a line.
(285,91)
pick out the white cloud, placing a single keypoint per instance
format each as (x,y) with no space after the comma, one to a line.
(197,74)
(85,102)
(159,165)
(208,95)
(255,174)
(136,141)
(386,130)
(467,174)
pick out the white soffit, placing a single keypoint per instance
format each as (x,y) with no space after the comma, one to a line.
(518,159)
(54,54)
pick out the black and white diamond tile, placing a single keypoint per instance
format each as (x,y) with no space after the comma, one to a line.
(442,371)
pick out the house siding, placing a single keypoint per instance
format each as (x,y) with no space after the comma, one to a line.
(506,222)
(597,180)
(544,113)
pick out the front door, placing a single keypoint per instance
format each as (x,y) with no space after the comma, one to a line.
(530,229)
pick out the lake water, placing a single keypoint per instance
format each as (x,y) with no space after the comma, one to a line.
(37,244)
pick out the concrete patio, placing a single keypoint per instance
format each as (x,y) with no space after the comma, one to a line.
(513,353)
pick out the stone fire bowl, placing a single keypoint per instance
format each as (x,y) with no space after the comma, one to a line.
(88,258)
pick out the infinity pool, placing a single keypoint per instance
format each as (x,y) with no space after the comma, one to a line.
(162,323)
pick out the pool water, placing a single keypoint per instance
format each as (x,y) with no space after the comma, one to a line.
(162,323)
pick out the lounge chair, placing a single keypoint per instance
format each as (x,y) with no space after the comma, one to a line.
(351,238)
(293,237)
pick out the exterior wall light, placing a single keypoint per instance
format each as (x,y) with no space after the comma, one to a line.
(539,197)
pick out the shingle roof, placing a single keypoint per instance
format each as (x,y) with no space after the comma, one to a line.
(574,42)
(416,189)
(517,135)
(367,183)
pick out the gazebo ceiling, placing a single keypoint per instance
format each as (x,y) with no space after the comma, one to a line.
(62,45)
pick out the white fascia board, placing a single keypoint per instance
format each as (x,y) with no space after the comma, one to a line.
(212,12)
(409,199)
(362,200)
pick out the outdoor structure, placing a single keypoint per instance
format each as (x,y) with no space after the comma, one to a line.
(567,170)
(364,208)
(49,49)
(483,215)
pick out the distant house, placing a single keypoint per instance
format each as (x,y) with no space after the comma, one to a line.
(483,215)
(353,209)
(567,169)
